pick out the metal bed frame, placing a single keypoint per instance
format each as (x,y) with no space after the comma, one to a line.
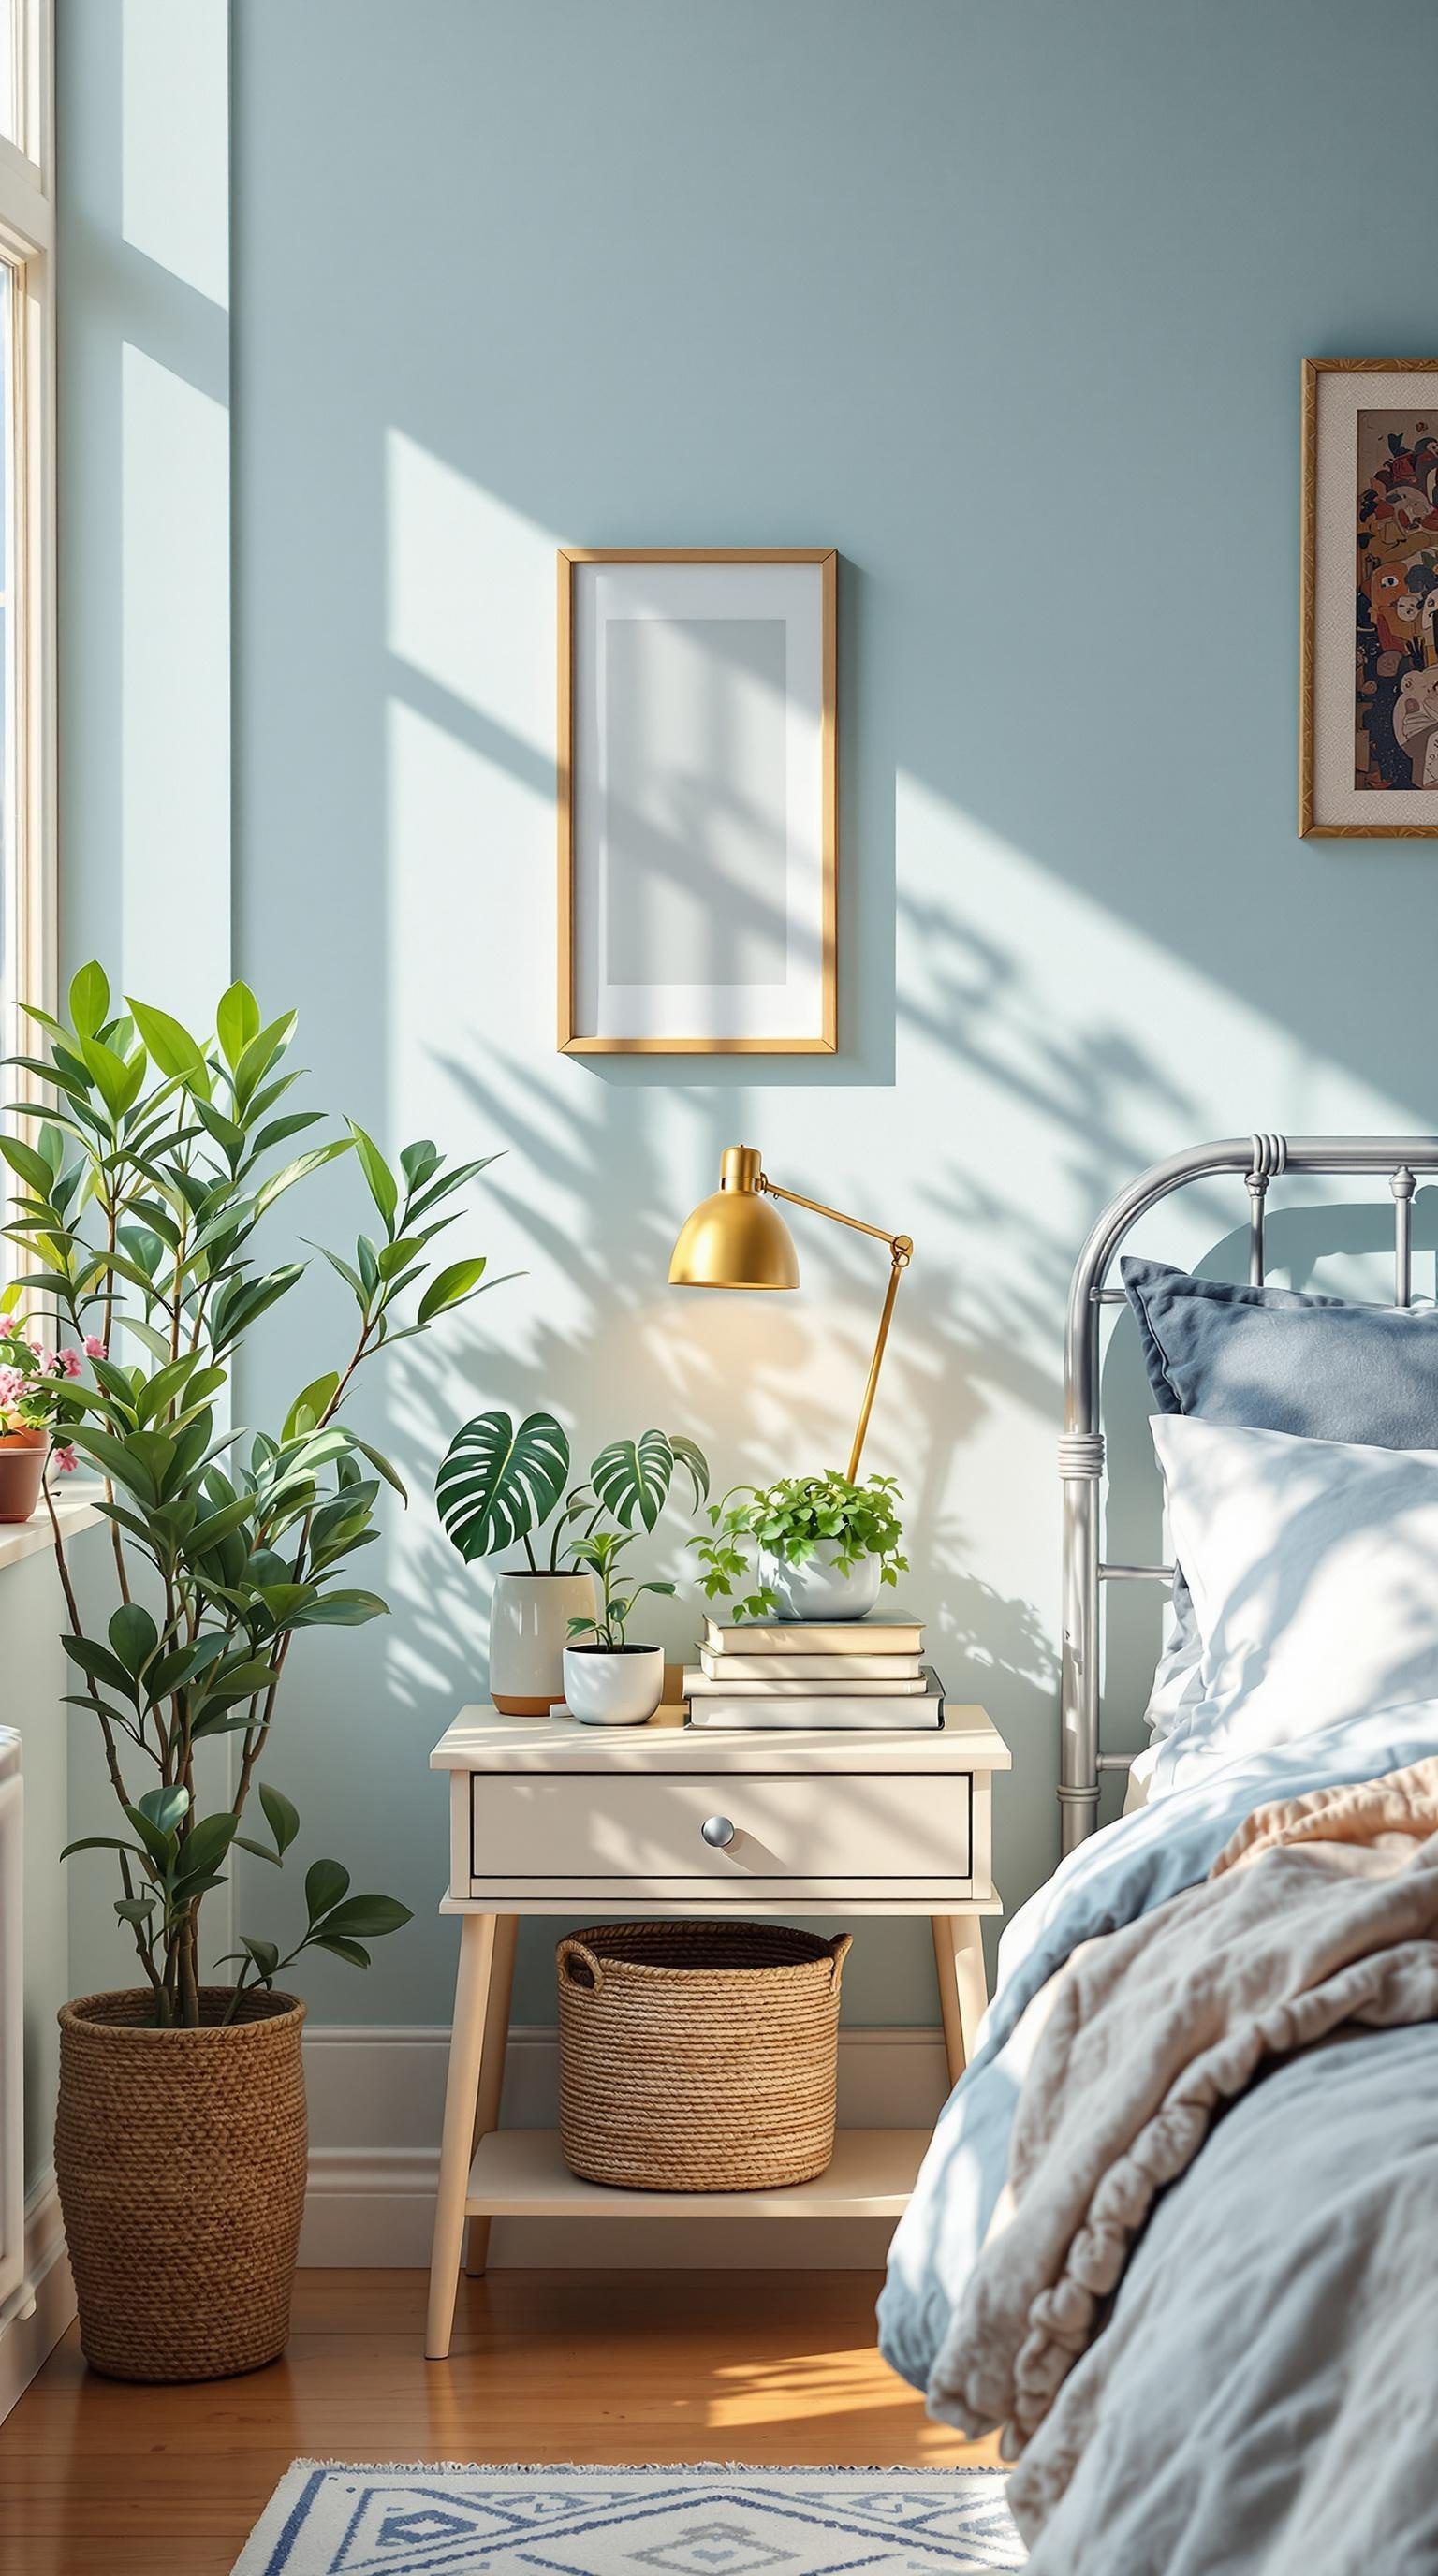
(1260,1159)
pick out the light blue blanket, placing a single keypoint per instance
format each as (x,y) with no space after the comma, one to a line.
(1109,1881)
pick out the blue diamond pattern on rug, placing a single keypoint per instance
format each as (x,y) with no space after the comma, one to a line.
(415,2520)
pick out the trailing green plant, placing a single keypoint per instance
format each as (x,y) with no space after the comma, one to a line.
(498,1485)
(141,1191)
(791,1519)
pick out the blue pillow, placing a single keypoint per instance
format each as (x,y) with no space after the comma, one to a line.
(1275,1360)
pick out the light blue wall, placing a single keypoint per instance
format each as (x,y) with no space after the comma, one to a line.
(1005,302)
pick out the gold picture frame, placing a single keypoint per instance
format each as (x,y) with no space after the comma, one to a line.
(1363,684)
(808,1004)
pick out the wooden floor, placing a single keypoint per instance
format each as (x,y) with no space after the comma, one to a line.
(101,2479)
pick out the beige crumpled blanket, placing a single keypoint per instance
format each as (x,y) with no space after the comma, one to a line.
(1321,1912)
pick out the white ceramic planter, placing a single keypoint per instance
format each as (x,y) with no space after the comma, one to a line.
(528,1632)
(604,1689)
(817,1590)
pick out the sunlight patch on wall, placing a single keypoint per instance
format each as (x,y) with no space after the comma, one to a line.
(175,80)
(175,687)
(470,593)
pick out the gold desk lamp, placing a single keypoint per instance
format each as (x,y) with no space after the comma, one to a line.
(736,1239)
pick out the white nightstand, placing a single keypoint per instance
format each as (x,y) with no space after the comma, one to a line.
(547,1817)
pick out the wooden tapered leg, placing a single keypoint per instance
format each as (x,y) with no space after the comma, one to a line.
(466,2049)
(491,2066)
(963,1985)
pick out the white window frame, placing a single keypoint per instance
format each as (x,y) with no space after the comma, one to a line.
(27,244)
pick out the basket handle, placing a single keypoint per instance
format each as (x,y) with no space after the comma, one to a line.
(564,1957)
(839,1949)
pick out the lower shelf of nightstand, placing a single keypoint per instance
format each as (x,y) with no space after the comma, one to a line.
(521,2173)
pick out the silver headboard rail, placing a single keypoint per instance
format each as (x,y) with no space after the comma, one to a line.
(1258,1160)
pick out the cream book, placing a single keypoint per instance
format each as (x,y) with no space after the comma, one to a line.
(765,1708)
(891,1636)
(702,1682)
(834,1672)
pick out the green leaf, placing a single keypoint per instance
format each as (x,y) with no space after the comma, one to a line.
(299,1170)
(451,1286)
(342,1610)
(418,1160)
(689,1456)
(170,1045)
(310,1404)
(162,1808)
(265,1954)
(496,1484)
(89,999)
(634,1476)
(135,1909)
(367,1917)
(282,1818)
(237,1021)
(326,1882)
(134,1636)
(99,1665)
(380,1464)
(354,1951)
(381,1182)
(32,1167)
(260,1053)
(101,1842)
(206,1845)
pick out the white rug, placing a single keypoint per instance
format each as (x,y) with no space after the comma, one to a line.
(330,2519)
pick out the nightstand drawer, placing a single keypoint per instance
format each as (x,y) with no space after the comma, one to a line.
(600,1825)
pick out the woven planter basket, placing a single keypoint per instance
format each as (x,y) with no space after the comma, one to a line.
(698,2056)
(180,2156)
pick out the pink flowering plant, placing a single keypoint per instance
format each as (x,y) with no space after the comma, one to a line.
(143,1186)
(29,1399)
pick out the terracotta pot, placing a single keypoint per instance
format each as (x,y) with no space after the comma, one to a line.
(528,1632)
(22,1464)
(180,2156)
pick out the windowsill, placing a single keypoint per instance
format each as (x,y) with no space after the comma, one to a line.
(74,1509)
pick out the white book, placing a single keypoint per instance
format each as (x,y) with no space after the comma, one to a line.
(702,1680)
(829,1709)
(835,1672)
(896,1634)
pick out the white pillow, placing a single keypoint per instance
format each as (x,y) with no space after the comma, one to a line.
(1313,1566)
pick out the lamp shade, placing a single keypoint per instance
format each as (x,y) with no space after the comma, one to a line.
(737,1238)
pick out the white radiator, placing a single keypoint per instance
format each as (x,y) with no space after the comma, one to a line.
(16,2295)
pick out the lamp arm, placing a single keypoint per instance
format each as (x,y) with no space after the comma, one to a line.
(901,1253)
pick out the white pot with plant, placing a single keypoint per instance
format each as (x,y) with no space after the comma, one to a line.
(609,1681)
(180,2132)
(499,1487)
(807,1547)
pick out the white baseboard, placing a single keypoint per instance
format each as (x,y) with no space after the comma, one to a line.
(376,2097)
(40,2316)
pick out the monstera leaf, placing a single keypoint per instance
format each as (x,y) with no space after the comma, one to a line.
(635,1475)
(497,1484)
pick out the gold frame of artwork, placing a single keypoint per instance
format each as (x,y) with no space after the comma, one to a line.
(571,1040)
(1309,825)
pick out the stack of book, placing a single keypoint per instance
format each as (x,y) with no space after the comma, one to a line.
(800,1672)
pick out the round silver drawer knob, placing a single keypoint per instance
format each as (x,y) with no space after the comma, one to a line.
(717,1831)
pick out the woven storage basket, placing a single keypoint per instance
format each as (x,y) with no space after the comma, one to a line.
(698,2056)
(180,2156)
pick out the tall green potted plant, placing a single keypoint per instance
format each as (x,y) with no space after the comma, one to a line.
(142,1189)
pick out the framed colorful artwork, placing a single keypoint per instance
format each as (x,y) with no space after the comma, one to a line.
(1368,720)
(698,763)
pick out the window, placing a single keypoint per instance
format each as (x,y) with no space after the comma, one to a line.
(27,511)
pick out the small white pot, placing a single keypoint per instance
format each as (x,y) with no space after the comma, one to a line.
(528,1632)
(607,1689)
(816,1589)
